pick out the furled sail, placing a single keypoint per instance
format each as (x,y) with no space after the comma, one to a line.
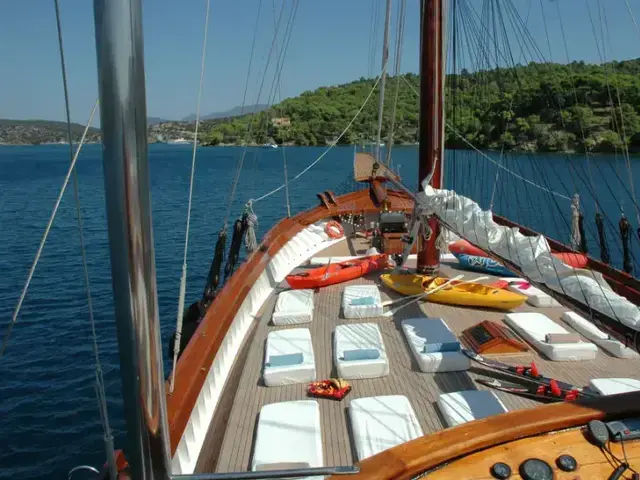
(532,254)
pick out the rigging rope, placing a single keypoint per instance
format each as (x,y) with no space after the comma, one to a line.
(183,278)
(236,180)
(16,312)
(99,380)
(385,59)
(396,72)
(602,238)
(484,155)
(333,144)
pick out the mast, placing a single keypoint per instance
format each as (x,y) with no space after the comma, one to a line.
(431,148)
(383,79)
(118,27)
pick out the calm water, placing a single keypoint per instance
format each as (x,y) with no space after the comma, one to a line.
(49,419)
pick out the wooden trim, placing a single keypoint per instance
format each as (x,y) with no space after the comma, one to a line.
(410,459)
(592,461)
(198,356)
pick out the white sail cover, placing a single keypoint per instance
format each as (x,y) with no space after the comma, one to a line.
(531,254)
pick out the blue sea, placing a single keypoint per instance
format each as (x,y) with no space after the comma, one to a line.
(49,419)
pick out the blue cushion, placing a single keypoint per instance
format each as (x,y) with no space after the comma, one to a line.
(438,337)
(363,301)
(363,354)
(285,360)
(441,347)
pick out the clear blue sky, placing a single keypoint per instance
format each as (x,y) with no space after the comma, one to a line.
(330,44)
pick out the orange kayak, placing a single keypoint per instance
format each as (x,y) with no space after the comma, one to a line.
(337,272)
(462,247)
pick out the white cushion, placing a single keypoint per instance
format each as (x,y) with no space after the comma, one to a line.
(416,332)
(535,296)
(359,336)
(380,423)
(293,307)
(286,342)
(356,292)
(613,386)
(288,436)
(600,338)
(468,405)
(534,328)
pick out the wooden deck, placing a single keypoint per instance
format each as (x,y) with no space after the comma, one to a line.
(232,451)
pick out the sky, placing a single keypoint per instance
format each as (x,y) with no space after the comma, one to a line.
(331,43)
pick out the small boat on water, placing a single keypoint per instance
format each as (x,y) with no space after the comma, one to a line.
(463,247)
(338,272)
(457,293)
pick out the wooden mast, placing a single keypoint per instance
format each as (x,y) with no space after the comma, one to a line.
(431,149)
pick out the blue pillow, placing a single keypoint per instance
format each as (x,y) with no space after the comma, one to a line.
(363,301)
(438,337)
(453,346)
(285,360)
(363,354)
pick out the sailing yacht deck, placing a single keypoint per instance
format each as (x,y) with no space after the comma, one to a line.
(229,443)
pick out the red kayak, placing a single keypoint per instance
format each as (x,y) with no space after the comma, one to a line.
(337,272)
(462,247)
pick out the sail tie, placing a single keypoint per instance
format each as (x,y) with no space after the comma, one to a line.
(213,279)
(239,230)
(625,230)
(442,240)
(578,237)
(250,239)
(602,239)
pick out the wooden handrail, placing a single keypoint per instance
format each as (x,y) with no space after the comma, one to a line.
(417,456)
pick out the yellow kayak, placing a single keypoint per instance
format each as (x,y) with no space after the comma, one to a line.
(456,293)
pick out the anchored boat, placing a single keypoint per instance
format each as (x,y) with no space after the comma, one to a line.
(242,399)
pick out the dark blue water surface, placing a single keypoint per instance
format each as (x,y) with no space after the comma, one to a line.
(49,418)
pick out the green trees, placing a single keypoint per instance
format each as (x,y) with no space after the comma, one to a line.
(539,106)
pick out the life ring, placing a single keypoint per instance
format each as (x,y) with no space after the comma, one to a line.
(333,229)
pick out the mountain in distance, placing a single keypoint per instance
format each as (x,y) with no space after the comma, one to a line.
(234,112)
(156,120)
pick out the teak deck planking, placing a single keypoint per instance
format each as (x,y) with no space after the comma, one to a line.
(230,447)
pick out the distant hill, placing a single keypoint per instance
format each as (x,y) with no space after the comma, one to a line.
(515,109)
(234,112)
(156,120)
(34,132)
